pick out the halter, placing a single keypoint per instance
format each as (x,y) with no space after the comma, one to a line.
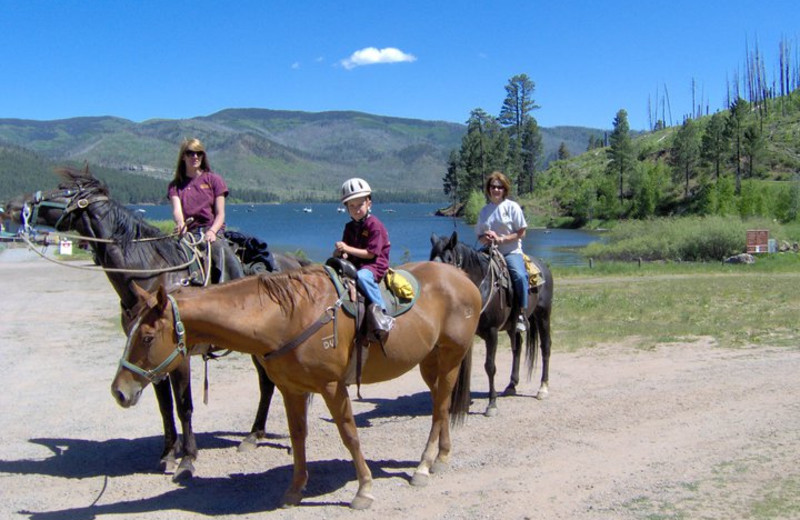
(158,373)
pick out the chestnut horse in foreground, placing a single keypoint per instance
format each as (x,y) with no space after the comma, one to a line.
(294,325)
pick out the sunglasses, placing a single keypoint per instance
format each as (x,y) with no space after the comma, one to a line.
(192,153)
(496,187)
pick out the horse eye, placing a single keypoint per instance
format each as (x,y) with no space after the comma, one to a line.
(148,340)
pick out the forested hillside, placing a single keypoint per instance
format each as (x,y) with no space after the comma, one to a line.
(265,155)
(744,161)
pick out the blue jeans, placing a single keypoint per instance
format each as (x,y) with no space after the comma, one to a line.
(368,285)
(519,279)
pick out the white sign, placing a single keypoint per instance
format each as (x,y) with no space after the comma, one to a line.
(65,247)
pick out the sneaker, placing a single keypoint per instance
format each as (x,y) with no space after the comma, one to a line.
(521,324)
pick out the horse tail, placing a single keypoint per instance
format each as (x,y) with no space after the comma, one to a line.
(460,398)
(531,347)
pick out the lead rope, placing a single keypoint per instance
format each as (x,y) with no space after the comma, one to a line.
(205,381)
(180,267)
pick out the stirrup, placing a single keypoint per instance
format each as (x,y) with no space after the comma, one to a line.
(521,325)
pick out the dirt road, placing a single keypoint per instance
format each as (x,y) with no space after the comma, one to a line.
(691,430)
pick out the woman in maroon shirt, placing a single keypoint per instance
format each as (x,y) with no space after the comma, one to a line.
(197,195)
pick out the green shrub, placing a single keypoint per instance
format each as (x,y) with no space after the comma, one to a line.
(697,239)
(473,208)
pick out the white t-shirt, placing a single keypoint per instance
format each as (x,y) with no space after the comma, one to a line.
(504,218)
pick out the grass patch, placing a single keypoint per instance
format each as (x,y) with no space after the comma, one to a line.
(735,305)
(720,496)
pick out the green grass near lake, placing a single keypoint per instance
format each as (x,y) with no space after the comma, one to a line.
(735,305)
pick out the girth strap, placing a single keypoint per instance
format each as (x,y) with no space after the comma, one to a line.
(327,316)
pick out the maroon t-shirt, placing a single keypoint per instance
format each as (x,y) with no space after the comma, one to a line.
(197,197)
(369,234)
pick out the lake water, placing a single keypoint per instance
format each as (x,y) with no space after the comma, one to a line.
(313,228)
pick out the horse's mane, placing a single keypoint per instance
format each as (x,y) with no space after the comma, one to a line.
(283,288)
(471,258)
(127,226)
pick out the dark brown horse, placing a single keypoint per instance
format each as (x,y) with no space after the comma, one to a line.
(293,324)
(495,315)
(130,250)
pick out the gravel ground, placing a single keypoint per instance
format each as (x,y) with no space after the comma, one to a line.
(690,430)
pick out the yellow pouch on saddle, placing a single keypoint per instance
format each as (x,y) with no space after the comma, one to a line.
(535,278)
(399,285)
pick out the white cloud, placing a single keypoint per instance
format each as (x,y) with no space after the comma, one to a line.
(295,65)
(372,56)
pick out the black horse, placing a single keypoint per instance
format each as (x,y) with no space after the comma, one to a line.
(131,250)
(496,313)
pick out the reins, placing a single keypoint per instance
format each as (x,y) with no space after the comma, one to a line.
(180,267)
(76,202)
(490,275)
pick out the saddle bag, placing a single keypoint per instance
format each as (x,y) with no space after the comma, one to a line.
(399,285)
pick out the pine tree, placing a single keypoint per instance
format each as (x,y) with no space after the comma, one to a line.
(532,151)
(686,153)
(734,131)
(620,152)
(563,151)
(514,115)
(753,147)
(715,145)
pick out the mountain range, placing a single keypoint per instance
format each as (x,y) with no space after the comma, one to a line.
(263,154)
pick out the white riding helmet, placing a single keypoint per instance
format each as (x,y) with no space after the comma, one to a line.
(354,188)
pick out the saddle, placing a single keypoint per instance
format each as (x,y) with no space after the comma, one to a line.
(252,253)
(343,276)
(498,271)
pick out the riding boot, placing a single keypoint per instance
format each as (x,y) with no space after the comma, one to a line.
(381,322)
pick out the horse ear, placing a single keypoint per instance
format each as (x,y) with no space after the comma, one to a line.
(453,239)
(434,239)
(161,296)
(140,293)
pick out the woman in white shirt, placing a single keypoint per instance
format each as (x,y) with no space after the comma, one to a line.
(502,222)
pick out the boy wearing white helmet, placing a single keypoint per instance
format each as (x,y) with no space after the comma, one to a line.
(365,243)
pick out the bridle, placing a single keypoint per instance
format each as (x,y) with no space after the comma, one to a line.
(158,373)
(76,199)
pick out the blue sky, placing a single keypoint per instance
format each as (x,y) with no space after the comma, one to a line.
(434,60)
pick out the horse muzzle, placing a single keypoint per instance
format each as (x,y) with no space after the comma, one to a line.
(126,389)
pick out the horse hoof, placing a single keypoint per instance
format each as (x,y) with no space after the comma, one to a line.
(420,480)
(542,395)
(439,467)
(491,411)
(361,503)
(249,443)
(167,465)
(184,472)
(291,499)
(510,391)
